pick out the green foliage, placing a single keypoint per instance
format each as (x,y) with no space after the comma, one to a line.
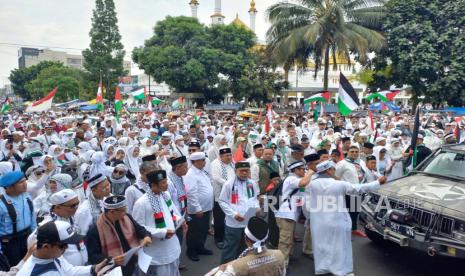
(104,57)
(426,42)
(21,77)
(321,28)
(193,58)
(70,83)
(258,81)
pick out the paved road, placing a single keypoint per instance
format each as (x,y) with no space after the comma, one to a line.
(369,259)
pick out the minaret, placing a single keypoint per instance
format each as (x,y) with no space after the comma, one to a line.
(253,15)
(194,4)
(217,17)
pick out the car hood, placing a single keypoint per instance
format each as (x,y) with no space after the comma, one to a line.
(437,194)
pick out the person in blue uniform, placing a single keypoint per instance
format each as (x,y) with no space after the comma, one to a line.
(16,216)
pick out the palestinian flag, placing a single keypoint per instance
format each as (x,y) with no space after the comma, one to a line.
(139,94)
(319,97)
(156,101)
(178,103)
(347,100)
(99,97)
(6,106)
(385,96)
(196,118)
(118,103)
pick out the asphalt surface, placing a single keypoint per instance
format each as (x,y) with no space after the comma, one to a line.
(369,259)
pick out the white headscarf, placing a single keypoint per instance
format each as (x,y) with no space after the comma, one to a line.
(132,162)
(5,167)
(144,149)
(98,165)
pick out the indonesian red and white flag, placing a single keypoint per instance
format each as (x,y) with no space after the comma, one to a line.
(43,104)
(268,118)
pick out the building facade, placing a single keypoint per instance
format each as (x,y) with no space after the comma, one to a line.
(32,56)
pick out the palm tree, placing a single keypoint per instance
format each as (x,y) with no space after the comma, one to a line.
(318,28)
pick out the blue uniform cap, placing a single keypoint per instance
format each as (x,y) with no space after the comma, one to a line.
(11,178)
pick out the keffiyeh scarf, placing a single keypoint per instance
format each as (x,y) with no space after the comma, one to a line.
(95,207)
(180,189)
(158,211)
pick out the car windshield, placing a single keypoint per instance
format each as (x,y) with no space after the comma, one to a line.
(447,163)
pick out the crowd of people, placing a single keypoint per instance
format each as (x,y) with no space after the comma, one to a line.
(79,193)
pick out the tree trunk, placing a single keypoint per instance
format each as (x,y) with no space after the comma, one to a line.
(326,70)
(286,95)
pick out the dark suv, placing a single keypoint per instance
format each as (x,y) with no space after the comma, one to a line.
(424,210)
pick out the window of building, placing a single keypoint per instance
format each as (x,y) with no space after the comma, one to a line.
(74,61)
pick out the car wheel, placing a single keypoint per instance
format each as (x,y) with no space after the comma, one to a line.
(374,236)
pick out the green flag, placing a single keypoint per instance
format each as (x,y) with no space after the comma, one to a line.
(118,103)
(6,106)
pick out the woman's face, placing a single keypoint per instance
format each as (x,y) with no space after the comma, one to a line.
(120,155)
(49,164)
(53,186)
(135,152)
(110,151)
(149,143)
(57,151)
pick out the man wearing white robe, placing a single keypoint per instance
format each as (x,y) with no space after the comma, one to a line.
(165,248)
(331,223)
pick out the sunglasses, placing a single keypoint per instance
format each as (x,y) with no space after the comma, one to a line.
(119,172)
(191,150)
(72,206)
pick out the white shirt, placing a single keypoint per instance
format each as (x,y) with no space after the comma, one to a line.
(52,267)
(218,179)
(132,194)
(163,251)
(288,208)
(83,217)
(230,209)
(347,171)
(199,191)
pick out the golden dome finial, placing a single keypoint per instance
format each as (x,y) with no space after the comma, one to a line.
(252,6)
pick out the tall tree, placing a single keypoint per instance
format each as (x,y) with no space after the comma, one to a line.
(104,57)
(191,57)
(21,77)
(70,83)
(426,41)
(320,28)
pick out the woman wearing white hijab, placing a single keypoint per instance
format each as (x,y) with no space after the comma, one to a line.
(133,161)
(55,184)
(98,165)
(56,152)
(218,141)
(109,152)
(396,155)
(84,147)
(146,147)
